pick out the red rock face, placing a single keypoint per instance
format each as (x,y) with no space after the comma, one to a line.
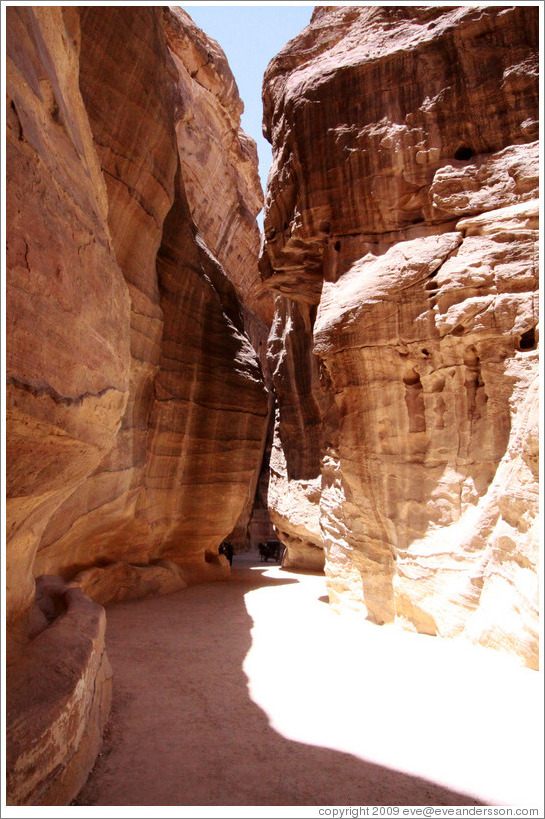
(401,231)
(137,410)
(57,701)
(130,113)
(169,462)
(67,303)
(216,155)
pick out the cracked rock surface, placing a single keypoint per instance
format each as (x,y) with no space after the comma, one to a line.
(401,242)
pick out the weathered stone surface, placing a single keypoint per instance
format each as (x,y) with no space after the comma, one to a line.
(379,101)
(58,701)
(401,237)
(295,476)
(67,307)
(137,411)
(431,416)
(210,409)
(260,528)
(130,112)
(217,156)
(121,581)
(124,581)
(185,460)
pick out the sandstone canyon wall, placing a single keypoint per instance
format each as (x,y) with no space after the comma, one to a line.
(401,243)
(136,404)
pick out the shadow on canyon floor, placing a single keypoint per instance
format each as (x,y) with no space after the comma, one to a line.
(184,730)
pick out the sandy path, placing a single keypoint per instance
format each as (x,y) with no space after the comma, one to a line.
(227,693)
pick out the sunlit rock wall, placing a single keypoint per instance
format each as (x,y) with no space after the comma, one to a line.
(58,697)
(136,404)
(186,456)
(401,239)
(218,160)
(68,307)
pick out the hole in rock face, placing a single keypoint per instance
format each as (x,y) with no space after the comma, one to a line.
(337,245)
(425,351)
(414,401)
(528,340)
(463,153)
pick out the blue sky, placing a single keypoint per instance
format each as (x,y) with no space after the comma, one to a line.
(251,35)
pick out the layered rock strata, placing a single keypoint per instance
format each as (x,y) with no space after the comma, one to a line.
(218,160)
(67,357)
(137,410)
(195,417)
(217,156)
(401,238)
(58,699)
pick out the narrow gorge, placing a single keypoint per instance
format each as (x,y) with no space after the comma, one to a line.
(360,382)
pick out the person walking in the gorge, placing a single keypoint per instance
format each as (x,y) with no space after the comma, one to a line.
(228,552)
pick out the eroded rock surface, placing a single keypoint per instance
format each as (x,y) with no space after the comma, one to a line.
(179,451)
(58,700)
(219,161)
(401,239)
(137,409)
(67,357)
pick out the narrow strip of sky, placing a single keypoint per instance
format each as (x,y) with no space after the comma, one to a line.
(250,37)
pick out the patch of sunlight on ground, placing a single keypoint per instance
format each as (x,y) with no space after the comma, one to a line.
(460,715)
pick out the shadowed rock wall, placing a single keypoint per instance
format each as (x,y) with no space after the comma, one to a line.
(401,239)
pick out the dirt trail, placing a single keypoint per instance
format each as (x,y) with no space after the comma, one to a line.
(227,693)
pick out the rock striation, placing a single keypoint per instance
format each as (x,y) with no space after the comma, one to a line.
(217,156)
(401,243)
(137,407)
(189,425)
(67,358)
(58,698)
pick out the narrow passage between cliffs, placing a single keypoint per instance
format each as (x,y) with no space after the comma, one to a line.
(253,692)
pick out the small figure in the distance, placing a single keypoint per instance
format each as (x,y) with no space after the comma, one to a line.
(228,552)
